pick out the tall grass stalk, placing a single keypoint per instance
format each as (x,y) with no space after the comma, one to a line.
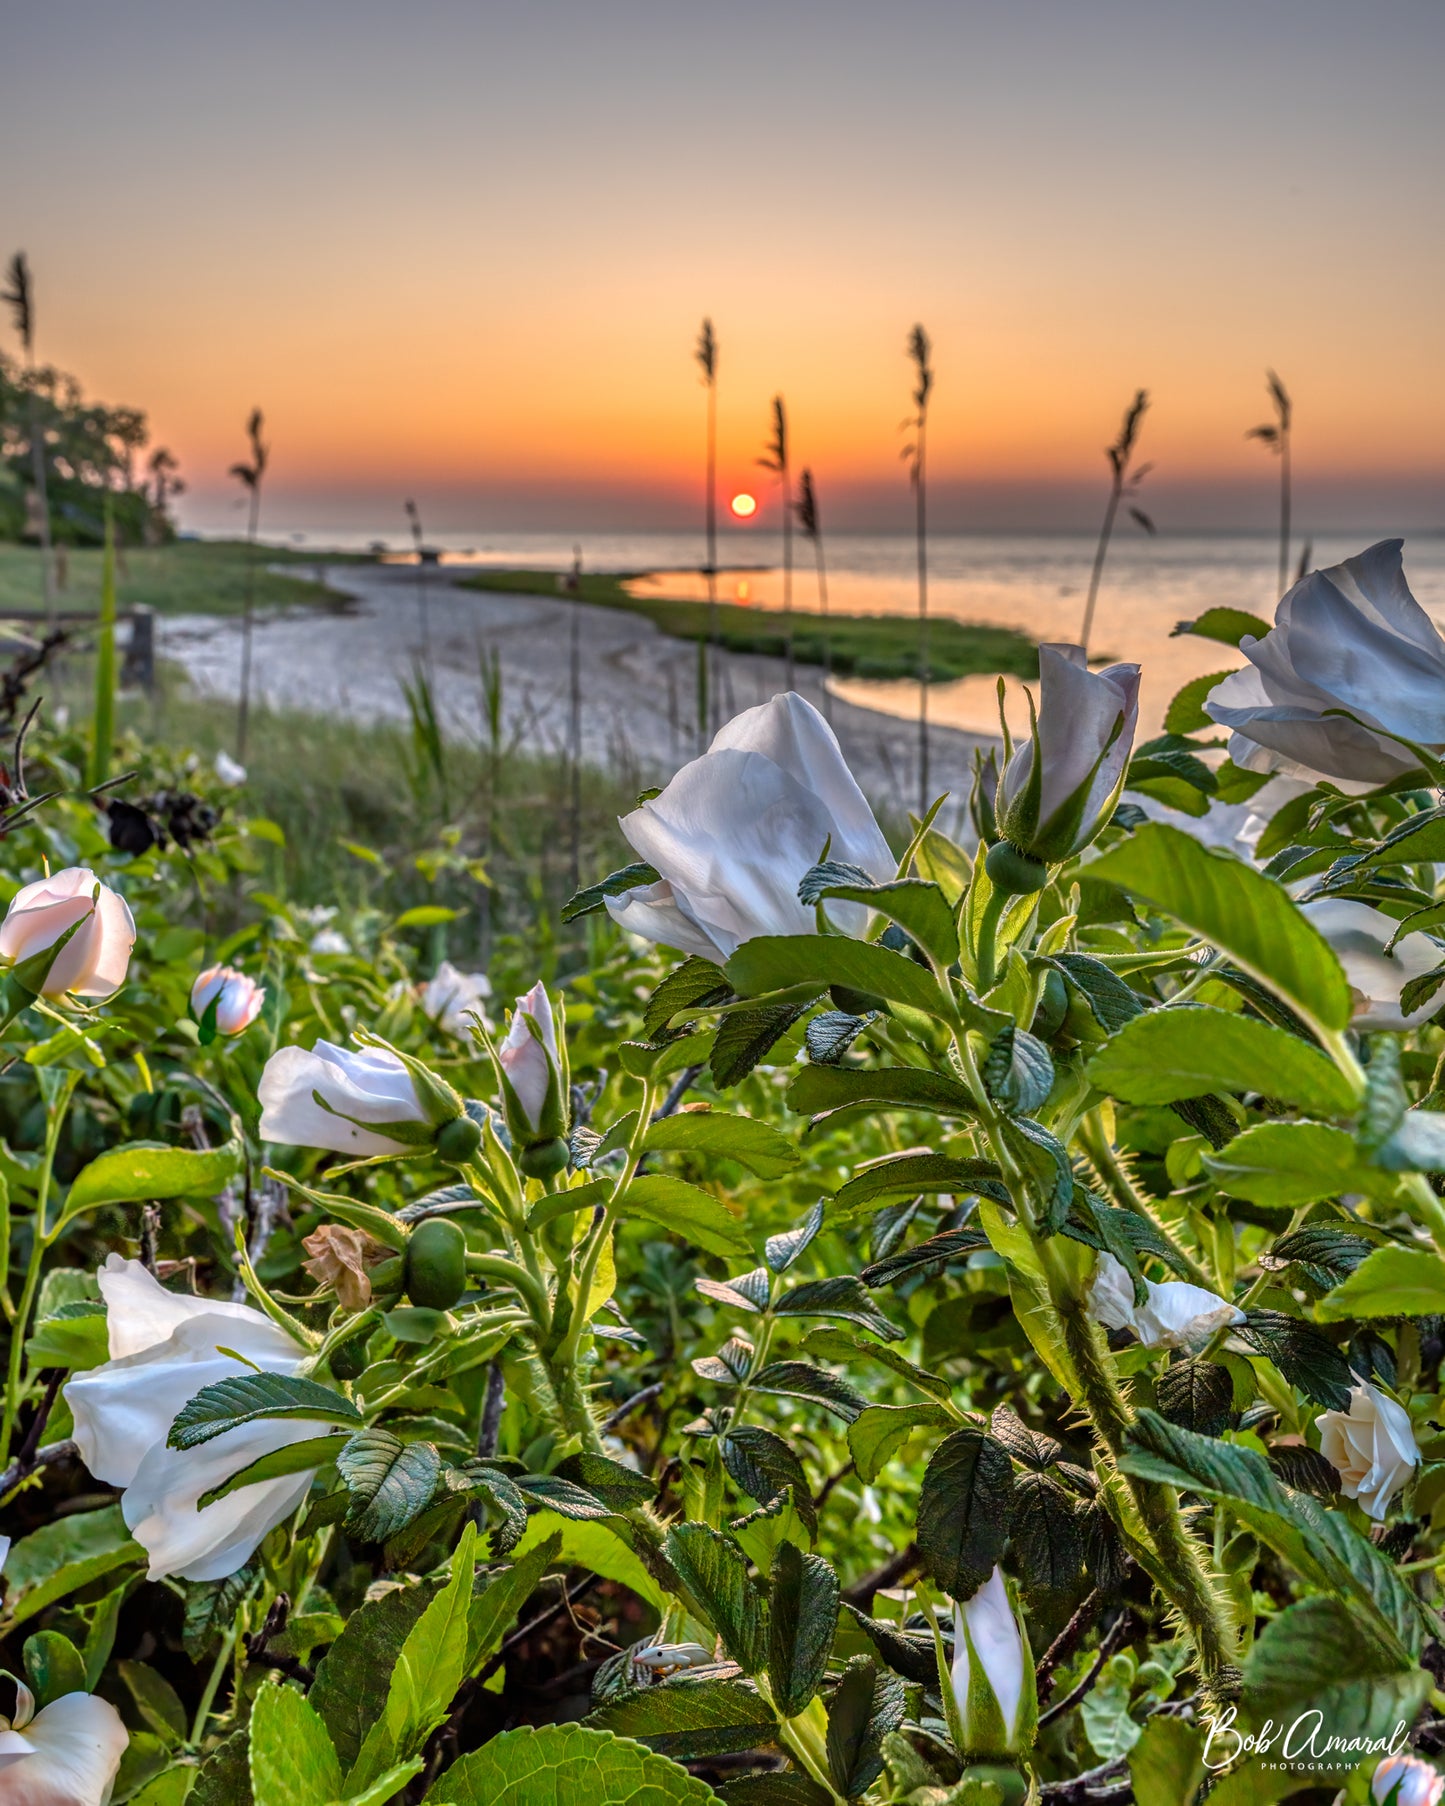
(423,598)
(249,476)
(102,721)
(428,746)
(706,355)
(20,297)
(1124,482)
(1276,435)
(775,459)
(493,717)
(920,350)
(808,521)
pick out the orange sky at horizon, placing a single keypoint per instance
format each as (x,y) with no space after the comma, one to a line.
(454,292)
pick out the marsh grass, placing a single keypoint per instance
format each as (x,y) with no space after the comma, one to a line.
(191,576)
(874,646)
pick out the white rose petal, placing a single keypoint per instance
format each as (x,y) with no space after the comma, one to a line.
(1358,935)
(368,1085)
(734,832)
(1407,1781)
(527,1061)
(1174,1315)
(987,1622)
(451,997)
(238,999)
(1372,1446)
(66,1755)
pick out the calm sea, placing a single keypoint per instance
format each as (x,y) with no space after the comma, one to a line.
(1037,583)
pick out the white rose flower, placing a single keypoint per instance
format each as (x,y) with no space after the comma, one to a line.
(1175,1314)
(328,941)
(1358,935)
(1060,786)
(164,1349)
(1352,638)
(993,1673)
(734,832)
(530,1059)
(452,997)
(66,1754)
(1407,1781)
(94,961)
(339,1099)
(238,999)
(230,771)
(1372,1446)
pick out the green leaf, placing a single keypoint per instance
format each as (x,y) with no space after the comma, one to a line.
(390,1482)
(764,1467)
(883,1429)
(1392,1282)
(1185,714)
(695,984)
(1108,999)
(756,1145)
(352,1677)
(565,1765)
(688,1719)
(778,962)
(801,1379)
(1166,1765)
(156,1700)
(564,1497)
(1047,1536)
(963,1510)
(54,1667)
(1312,1658)
(687,1211)
(427,1673)
(1018,1071)
(917,905)
(905,1175)
(1227,625)
(77,1343)
(425,915)
(63,1556)
(820,1088)
(142,1170)
(1197,1395)
(802,1616)
(867,1704)
(1167,1054)
(928,1256)
(225,1776)
(492,1611)
(714,1570)
(745,1036)
(844,1297)
(613,1482)
(249,1396)
(1290,1163)
(592,896)
(1246,915)
(293,1761)
(295,1458)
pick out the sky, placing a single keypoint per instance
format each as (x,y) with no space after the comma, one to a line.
(462,251)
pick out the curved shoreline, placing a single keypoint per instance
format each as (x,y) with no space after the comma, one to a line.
(637,707)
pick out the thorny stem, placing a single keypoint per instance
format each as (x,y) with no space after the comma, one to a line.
(1120,1186)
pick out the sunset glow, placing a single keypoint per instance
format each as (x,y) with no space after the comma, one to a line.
(744,506)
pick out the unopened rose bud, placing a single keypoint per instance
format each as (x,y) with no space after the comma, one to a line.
(225,1001)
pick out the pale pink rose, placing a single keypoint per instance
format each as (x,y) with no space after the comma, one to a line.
(239,998)
(94,961)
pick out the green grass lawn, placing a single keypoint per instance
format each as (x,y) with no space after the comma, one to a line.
(190,576)
(882,646)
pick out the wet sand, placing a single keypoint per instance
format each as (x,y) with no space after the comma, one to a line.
(638,701)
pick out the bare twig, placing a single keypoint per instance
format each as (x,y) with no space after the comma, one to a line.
(1108,1644)
(22,1467)
(492,1406)
(630,1405)
(889,1575)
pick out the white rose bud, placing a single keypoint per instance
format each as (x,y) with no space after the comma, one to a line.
(1407,1781)
(237,999)
(360,1102)
(1350,638)
(452,997)
(164,1349)
(92,921)
(1358,935)
(66,1754)
(992,1680)
(1372,1446)
(1060,786)
(1174,1315)
(733,834)
(528,1056)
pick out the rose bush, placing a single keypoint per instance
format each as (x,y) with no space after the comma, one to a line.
(939,1340)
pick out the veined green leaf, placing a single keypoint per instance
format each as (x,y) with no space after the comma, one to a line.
(756,1145)
(572,1762)
(1166,1055)
(1391,1282)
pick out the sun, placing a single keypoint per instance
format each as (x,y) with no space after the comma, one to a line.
(744,506)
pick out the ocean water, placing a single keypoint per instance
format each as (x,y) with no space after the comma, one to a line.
(1034,582)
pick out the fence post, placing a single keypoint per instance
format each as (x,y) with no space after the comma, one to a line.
(139,671)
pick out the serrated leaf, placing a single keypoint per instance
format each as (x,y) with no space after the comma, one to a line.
(867,1704)
(695,984)
(1171,1054)
(1109,1000)
(918,906)
(63,1556)
(1197,1395)
(827,1088)
(249,1396)
(779,962)
(688,1719)
(714,1570)
(1047,1536)
(842,1296)
(802,1616)
(293,1761)
(1392,1282)
(1031,1447)
(352,1677)
(1325,1253)
(819,1385)
(141,1170)
(1312,1658)
(929,1256)
(1226,625)
(593,896)
(745,1037)
(390,1482)
(829,1035)
(904,1175)
(685,1210)
(1018,1071)
(756,1145)
(781,1250)
(1289,1163)
(764,1466)
(908,1653)
(564,1497)
(881,1431)
(963,1510)
(1240,911)
(613,1482)
(1303,1354)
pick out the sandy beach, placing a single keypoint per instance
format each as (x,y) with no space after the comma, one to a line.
(638,686)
